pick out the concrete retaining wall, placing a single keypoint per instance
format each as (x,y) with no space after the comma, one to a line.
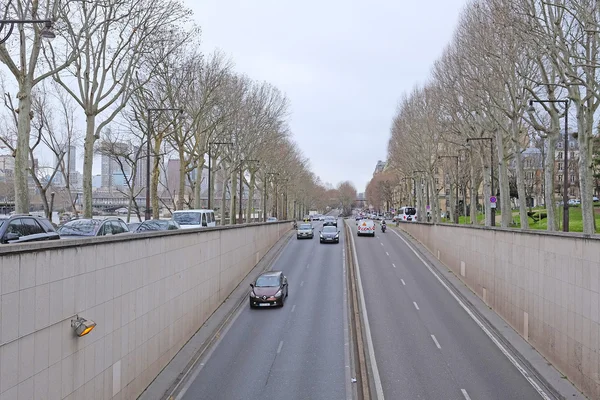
(546,286)
(148,295)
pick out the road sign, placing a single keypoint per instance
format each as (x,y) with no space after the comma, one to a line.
(493,205)
(493,199)
(428,207)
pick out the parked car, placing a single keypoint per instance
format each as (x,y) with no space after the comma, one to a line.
(199,218)
(133,226)
(269,289)
(305,231)
(157,225)
(272,219)
(26,228)
(88,227)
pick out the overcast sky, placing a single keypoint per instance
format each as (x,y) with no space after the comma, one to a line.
(342,63)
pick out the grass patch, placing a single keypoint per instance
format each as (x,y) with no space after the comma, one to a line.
(575,221)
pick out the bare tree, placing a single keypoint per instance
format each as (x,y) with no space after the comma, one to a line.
(121,39)
(21,57)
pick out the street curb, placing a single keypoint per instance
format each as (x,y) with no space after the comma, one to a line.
(169,382)
(531,360)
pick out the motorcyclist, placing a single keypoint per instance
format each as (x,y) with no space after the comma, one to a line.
(383,225)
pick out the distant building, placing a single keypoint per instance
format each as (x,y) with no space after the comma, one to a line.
(7,167)
(96,181)
(379,167)
(573,172)
(115,166)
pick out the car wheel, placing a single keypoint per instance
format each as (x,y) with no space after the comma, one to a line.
(251,306)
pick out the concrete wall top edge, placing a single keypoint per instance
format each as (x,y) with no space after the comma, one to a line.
(570,235)
(11,249)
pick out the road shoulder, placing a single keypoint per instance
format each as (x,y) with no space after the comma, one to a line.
(552,380)
(173,377)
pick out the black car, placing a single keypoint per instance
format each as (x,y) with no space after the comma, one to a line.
(329,234)
(270,289)
(330,221)
(88,227)
(156,225)
(26,228)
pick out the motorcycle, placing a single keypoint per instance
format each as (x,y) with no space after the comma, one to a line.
(383,228)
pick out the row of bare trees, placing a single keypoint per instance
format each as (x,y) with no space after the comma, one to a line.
(131,71)
(504,54)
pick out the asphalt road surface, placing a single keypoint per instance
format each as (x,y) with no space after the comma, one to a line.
(294,352)
(426,346)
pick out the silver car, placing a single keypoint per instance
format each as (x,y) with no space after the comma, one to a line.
(305,231)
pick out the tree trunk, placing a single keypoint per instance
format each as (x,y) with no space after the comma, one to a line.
(233,199)
(520,178)
(451,208)
(487,188)
(503,182)
(250,205)
(212,183)
(181,188)
(198,187)
(22,149)
(154,183)
(586,169)
(224,195)
(88,161)
(473,194)
(549,156)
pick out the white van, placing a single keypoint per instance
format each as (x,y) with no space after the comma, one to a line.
(188,219)
(406,214)
(366,227)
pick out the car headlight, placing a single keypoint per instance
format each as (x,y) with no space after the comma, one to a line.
(278,294)
(337,235)
(321,235)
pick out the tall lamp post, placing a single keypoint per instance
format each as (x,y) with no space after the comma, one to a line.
(565,159)
(491,172)
(148,149)
(456,183)
(210,166)
(241,187)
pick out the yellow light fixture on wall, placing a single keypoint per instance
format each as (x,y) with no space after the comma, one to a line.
(82,326)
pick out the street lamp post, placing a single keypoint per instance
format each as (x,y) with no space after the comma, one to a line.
(493,213)
(148,148)
(210,166)
(456,183)
(241,188)
(565,159)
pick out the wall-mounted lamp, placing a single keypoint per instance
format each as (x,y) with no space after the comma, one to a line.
(82,326)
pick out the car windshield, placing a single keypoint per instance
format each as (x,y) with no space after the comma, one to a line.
(410,211)
(267,281)
(329,229)
(153,225)
(305,226)
(79,228)
(187,218)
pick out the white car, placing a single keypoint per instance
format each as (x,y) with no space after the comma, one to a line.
(366,227)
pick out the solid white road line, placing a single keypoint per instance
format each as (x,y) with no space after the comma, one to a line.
(293,308)
(402,280)
(464,392)
(394,265)
(376,377)
(416,306)
(280,346)
(436,342)
(480,324)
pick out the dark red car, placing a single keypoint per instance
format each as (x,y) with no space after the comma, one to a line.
(270,289)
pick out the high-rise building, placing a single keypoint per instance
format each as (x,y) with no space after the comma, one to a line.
(115,165)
